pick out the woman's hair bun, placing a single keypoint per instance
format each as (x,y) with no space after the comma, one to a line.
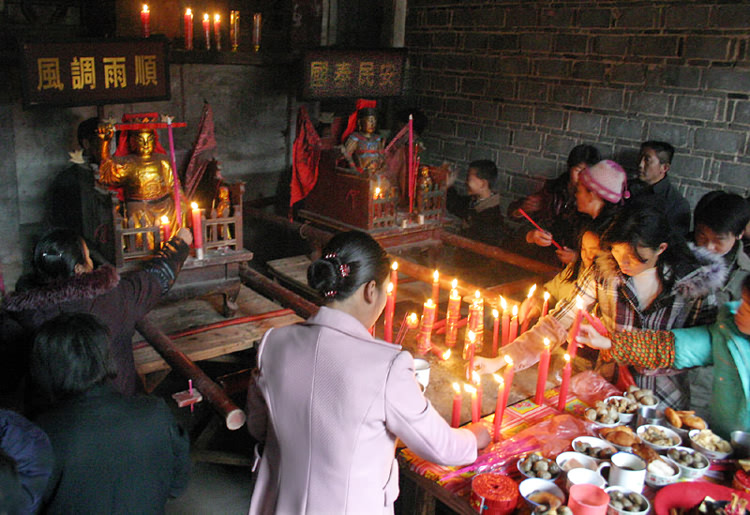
(322,276)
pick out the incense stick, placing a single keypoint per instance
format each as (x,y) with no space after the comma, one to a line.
(527,217)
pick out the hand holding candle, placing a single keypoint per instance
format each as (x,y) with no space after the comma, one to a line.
(541,380)
(499,407)
(563,397)
(165,229)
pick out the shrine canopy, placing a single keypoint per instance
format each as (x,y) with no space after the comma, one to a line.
(94,72)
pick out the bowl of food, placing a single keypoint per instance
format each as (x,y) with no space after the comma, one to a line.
(540,493)
(692,464)
(627,408)
(570,460)
(621,437)
(658,437)
(603,415)
(626,502)
(593,447)
(681,422)
(536,466)
(740,441)
(711,445)
(642,396)
(661,472)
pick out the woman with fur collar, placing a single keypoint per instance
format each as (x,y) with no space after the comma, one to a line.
(64,280)
(646,278)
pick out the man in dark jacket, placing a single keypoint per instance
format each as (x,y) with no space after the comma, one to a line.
(113,454)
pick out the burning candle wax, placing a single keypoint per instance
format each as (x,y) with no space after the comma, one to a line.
(573,346)
(146,21)
(541,380)
(165,229)
(525,316)
(452,315)
(563,398)
(513,333)
(188,29)
(499,407)
(394,277)
(474,405)
(436,287)
(545,306)
(217,30)
(425,330)
(456,415)
(506,323)
(197,230)
(207,30)
(495,330)
(508,378)
(390,306)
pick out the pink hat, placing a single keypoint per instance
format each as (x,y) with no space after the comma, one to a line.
(607,179)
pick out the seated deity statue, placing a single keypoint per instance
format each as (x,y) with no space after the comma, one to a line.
(363,149)
(145,177)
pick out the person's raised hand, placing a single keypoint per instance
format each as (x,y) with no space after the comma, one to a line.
(541,238)
(480,433)
(587,335)
(488,365)
(185,235)
(534,307)
(566,255)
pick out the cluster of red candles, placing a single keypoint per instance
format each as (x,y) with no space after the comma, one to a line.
(197,225)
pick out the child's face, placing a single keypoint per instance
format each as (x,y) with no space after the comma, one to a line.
(474,184)
(589,248)
(742,317)
(718,243)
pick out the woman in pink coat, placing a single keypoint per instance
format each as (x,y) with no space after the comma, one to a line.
(330,400)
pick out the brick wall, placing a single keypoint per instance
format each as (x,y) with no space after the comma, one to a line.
(522,82)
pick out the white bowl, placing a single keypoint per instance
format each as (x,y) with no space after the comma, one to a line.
(533,484)
(625,418)
(526,474)
(671,435)
(594,442)
(576,459)
(711,455)
(690,472)
(611,510)
(657,480)
(679,431)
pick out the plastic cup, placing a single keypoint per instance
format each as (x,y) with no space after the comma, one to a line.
(588,500)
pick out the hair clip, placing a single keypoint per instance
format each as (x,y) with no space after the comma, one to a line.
(330,255)
(344,269)
(330,294)
(50,254)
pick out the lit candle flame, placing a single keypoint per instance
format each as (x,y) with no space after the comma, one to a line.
(429,304)
(503,304)
(394,265)
(495,313)
(546,343)
(145,8)
(579,302)
(454,283)
(205,18)
(457,387)
(567,358)
(477,295)
(188,12)
(508,360)
(546,295)
(217,18)
(446,355)
(499,379)
(164,219)
(469,389)
(377,192)
(194,205)
(412,320)
(475,377)
(389,288)
(515,310)
(472,336)
(436,276)
(531,291)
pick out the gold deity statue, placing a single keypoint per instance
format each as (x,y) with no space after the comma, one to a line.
(363,149)
(145,177)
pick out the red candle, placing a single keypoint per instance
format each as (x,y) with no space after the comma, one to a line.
(452,315)
(217,30)
(573,346)
(188,29)
(541,379)
(425,329)
(597,324)
(479,326)
(545,306)
(197,231)
(495,330)
(257,17)
(437,351)
(525,325)
(146,21)
(390,306)
(165,229)
(394,277)
(477,380)
(436,287)
(456,415)
(513,334)
(506,323)
(474,404)
(207,30)
(499,407)
(563,398)
(508,378)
